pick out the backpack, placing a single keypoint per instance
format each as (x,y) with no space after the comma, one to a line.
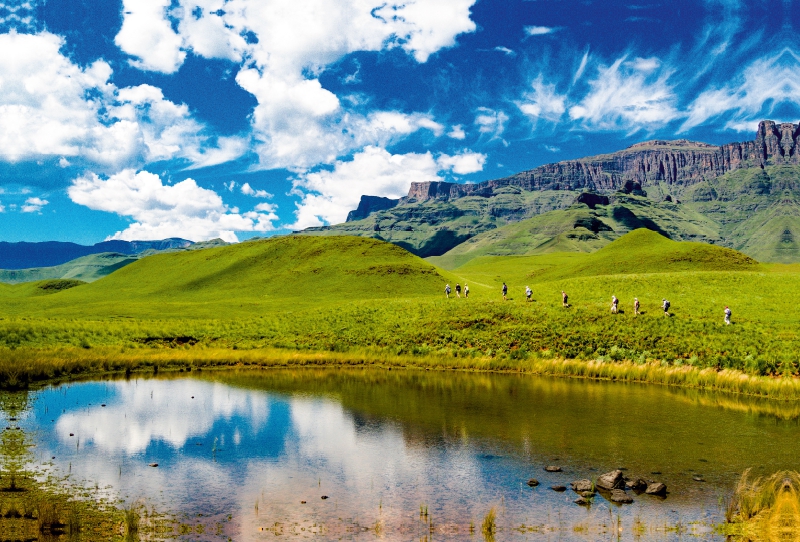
(666,306)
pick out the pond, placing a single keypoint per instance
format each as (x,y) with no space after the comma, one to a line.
(351,454)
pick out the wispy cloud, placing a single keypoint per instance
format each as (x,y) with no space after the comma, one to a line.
(540,30)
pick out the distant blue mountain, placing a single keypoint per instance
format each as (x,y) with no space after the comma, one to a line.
(51,253)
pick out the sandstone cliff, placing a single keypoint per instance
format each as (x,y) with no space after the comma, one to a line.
(678,164)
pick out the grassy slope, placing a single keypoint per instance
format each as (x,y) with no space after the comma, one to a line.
(581,229)
(360,297)
(279,274)
(87,268)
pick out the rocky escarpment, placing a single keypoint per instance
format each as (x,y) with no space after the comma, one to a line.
(369,205)
(678,164)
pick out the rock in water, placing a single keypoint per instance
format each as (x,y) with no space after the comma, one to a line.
(656,489)
(611,480)
(580,486)
(636,485)
(552,468)
(533,482)
(582,501)
(620,497)
(558,488)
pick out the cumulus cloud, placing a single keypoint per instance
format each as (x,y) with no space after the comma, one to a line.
(248,190)
(34,205)
(297,122)
(628,95)
(2,207)
(161,210)
(328,195)
(457,132)
(50,106)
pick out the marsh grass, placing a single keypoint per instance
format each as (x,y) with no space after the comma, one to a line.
(489,525)
(766,508)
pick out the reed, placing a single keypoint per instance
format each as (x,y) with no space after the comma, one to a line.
(766,508)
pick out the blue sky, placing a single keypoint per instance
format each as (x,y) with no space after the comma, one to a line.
(146,119)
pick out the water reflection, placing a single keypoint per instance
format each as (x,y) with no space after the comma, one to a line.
(244,449)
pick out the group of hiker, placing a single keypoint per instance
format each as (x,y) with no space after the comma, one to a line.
(665,304)
(447,290)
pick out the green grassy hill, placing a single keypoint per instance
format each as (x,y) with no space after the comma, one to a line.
(87,268)
(282,273)
(580,228)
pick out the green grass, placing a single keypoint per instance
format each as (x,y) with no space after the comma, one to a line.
(362,301)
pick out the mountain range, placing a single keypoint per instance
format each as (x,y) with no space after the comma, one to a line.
(743,195)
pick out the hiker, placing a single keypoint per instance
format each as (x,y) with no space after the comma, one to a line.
(505,291)
(458,290)
(466,291)
(727,316)
(447,291)
(636,306)
(528,292)
(614,304)
(564,298)
(665,306)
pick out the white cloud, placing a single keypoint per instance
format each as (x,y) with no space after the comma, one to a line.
(50,106)
(297,122)
(328,195)
(147,34)
(2,207)
(160,210)
(490,121)
(543,101)
(457,132)
(628,95)
(770,81)
(34,205)
(539,30)
(463,163)
(248,190)
(504,50)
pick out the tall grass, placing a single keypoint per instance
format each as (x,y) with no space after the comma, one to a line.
(767,508)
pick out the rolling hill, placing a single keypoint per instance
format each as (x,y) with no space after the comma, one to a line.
(744,196)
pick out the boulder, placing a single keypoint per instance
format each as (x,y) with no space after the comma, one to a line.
(582,485)
(558,488)
(552,468)
(582,501)
(533,482)
(611,480)
(620,497)
(636,485)
(656,488)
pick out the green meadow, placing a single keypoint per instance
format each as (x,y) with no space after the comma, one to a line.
(349,300)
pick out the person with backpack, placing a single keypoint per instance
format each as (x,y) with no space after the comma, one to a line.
(564,299)
(466,291)
(458,290)
(505,291)
(447,291)
(665,306)
(727,316)
(636,306)
(528,293)
(614,304)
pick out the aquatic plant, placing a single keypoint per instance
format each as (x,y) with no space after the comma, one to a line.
(489,526)
(766,508)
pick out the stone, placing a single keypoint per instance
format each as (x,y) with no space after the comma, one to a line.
(620,497)
(560,489)
(582,501)
(636,485)
(552,468)
(698,478)
(582,485)
(324,497)
(656,488)
(533,482)
(592,200)
(586,493)
(611,480)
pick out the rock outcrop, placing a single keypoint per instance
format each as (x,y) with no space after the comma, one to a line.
(678,164)
(369,205)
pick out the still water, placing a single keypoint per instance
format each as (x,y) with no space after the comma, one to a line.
(404,455)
